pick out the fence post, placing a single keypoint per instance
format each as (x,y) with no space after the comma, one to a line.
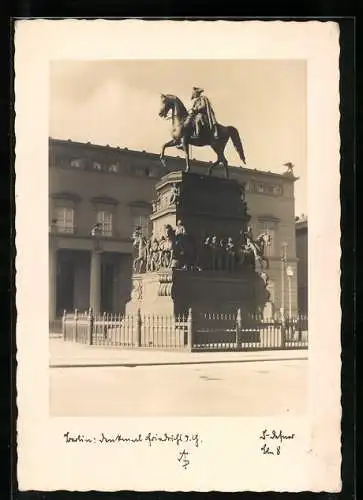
(138,328)
(104,325)
(299,328)
(64,324)
(238,328)
(90,326)
(75,325)
(190,329)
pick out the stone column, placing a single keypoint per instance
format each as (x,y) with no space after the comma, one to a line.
(95,282)
(52,280)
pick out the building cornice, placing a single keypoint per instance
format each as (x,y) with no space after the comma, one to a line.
(239,172)
(267,218)
(66,195)
(140,204)
(104,199)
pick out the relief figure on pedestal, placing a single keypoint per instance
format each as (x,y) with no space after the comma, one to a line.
(256,247)
(175,195)
(140,244)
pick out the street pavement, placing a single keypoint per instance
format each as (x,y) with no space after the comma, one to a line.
(71,354)
(90,381)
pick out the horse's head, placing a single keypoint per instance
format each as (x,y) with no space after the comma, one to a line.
(165,106)
(171,102)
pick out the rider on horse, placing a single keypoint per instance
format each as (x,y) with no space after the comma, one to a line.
(213,134)
(203,113)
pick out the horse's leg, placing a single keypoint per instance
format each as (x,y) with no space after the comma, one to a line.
(224,160)
(168,144)
(218,161)
(219,147)
(186,152)
(225,164)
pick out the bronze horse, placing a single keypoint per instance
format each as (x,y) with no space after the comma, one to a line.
(182,133)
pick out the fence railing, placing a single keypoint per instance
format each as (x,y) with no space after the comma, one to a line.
(192,331)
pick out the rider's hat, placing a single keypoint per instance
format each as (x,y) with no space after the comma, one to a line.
(198,90)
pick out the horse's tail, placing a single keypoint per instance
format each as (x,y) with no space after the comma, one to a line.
(237,143)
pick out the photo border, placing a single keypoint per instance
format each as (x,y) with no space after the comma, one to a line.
(348,238)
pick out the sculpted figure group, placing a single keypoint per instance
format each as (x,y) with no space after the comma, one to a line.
(163,202)
(172,249)
(175,249)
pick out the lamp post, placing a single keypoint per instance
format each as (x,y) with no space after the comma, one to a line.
(290,274)
(283,264)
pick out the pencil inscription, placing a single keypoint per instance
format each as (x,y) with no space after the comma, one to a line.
(149,439)
(273,441)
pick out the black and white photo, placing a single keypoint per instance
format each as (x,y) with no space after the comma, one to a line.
(178,246)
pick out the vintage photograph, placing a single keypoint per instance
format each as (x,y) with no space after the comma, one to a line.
(178,238)
(178,305)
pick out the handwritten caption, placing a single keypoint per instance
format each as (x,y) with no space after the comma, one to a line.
(181,440)
(274,441)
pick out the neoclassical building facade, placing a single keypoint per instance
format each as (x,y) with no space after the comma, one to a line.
(302,263)
(114,188)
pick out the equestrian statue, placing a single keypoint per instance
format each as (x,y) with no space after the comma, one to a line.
(198,127)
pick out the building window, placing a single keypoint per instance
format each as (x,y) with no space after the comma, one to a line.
(113,168)
(277,190)
(77,163)
(97,166)
(105,220)
(143,222)
(154,172)
(270,249)
(269,228)
(64,219)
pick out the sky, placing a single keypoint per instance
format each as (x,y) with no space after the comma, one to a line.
(116,102)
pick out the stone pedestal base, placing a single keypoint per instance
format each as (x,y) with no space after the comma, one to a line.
(175,291)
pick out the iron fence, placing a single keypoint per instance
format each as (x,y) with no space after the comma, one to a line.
(193,331)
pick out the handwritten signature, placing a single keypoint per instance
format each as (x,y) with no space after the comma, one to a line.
(183,459)
(149,439)
(275,440)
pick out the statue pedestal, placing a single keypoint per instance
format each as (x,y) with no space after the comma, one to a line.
(175,291)
(206,207)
